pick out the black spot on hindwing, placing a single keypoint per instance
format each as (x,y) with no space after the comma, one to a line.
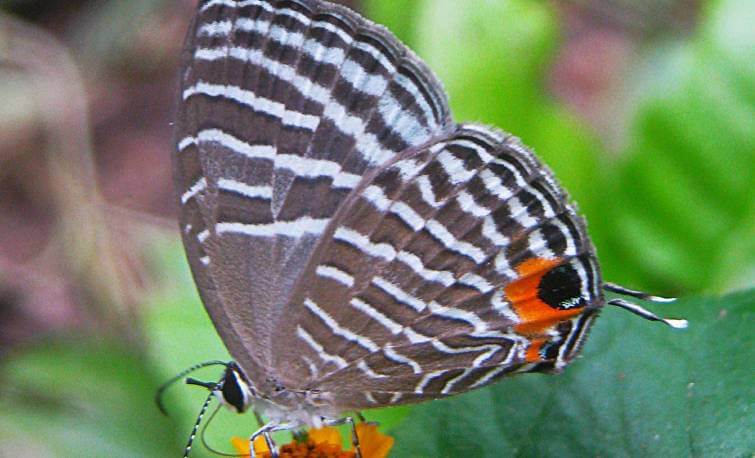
(561,288)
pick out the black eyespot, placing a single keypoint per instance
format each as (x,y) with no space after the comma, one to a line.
(233,394)
(561,288)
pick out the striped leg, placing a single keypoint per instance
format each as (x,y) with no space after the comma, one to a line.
(354,436)
(265,432)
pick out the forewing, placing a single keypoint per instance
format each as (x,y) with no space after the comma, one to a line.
(286,106)
(451,267)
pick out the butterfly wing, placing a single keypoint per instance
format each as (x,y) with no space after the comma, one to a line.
(286,106)
(451,267)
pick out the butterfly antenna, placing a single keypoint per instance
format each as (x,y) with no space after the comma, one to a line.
(166,385)
(204,439)
(618,289)
(199,420)
(647,314)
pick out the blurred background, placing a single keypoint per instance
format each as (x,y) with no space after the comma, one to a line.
(645,109)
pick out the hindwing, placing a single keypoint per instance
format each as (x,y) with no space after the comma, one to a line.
(452,266)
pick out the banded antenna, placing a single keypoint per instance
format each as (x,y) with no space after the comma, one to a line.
(638,309)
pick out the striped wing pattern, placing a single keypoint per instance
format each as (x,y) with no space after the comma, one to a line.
(286,106)
(346,237)
(406,299)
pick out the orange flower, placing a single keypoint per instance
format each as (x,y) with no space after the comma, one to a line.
(324,443)
(372,442)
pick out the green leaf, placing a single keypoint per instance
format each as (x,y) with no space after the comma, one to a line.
(81,398)
(640,389)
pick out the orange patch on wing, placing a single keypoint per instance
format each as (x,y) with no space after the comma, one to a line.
(533,351)
(536,316)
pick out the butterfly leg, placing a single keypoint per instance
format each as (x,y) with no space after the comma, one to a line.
(354,436)
(265,432)
(270,444)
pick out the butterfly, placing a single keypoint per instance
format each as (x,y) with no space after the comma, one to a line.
(354,246)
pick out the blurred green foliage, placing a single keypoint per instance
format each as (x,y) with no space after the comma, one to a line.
(673,212)
(681,203)
(70,398)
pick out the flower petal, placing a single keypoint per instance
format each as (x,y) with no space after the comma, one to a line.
(325,435)
(242,446)
(324,442)
(372,442)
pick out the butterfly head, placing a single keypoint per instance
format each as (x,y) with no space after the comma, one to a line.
(233,390)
